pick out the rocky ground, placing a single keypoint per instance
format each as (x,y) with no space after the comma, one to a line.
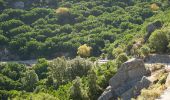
(165,95)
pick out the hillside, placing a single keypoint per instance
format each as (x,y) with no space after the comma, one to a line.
(51,29)
(68,38)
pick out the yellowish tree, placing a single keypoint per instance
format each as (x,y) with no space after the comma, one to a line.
(84,50)
(154,7)
(62,10)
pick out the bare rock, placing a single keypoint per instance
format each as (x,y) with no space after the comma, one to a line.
(130,70)
(107,94)
(127,80)
(135,90)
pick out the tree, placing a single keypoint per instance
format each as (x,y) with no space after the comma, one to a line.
(121,59)
(154,7)
(117,51)
(79,67)
(84,50)
(3,40)
(76,91)
(62,10)
(92,85)
(145,50)
(41,68)
(57,69)
(158,41)
(29,80)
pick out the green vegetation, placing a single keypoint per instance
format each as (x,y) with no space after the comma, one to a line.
(61,30)
(64,26)
(60,78)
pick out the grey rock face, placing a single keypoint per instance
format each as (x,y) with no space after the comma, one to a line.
(128,81)
(130,70)
(107,94)
(135,90)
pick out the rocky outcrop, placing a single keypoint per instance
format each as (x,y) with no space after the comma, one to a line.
(107,94)
(128,81)
(135,90)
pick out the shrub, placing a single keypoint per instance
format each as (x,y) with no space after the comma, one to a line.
(145,50)
(158,41)
(77,92)
(30,80)
(41,68)
(117,51)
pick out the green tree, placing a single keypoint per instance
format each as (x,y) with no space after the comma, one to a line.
(41,68)
(30,80)
(117,51)
(93,88)
(76,91)
(121,59)
(57,69)
(158,41)
(145,50)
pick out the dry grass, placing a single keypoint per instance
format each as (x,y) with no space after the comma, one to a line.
(152,92)
(155,90)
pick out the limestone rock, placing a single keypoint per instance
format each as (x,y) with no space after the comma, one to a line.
(129,71)
(128,81)
(107,94)
(135,90)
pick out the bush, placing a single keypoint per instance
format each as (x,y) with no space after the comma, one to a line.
(145,50)
(77,92)
(41,68)
(121,59)
(158,41)
(117,51)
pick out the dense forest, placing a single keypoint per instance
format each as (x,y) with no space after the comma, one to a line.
(61,30)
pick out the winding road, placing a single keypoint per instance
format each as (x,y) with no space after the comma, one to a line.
(26,62)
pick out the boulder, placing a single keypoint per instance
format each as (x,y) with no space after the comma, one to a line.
(107,94)
(135,90)
(130,70)
(128,81)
